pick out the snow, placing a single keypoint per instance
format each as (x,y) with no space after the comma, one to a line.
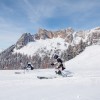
(77,40)
(47,45)
(84,85)
(89,58)
(1,50)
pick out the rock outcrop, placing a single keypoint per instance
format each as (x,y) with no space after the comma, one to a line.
(23,40)
(44,34)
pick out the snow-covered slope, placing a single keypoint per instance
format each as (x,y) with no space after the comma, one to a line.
(84,85)
(43,45)
(86,62)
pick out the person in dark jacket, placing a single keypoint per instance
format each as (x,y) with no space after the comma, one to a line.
(29,66)
(59,65)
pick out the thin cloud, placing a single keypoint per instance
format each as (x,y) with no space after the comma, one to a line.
(9,33)
(29,15)
(51,8)
(40,10)
(36,12)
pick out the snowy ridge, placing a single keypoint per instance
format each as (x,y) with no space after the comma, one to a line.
(47,45)
(60,42)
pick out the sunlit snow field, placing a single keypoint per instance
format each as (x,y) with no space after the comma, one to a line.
(84,85)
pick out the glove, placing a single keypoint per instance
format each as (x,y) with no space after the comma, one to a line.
(52,64)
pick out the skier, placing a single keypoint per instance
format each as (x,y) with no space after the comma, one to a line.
(29,66)
(59,65)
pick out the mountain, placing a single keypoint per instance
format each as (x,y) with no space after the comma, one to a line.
(40,48)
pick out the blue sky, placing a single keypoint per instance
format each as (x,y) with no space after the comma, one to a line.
(20,16)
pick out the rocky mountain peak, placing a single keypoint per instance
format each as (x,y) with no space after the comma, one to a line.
(23,40)
(91,36)
(44,34)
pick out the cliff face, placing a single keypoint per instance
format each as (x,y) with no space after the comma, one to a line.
(70,36)
(73,42)
(23,40)
(44,34)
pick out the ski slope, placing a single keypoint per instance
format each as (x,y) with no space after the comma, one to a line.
(84,85)
(86,62)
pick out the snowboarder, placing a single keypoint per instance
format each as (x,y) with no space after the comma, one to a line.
(59,65)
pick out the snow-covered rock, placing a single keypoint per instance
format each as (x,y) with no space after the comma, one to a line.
(49,45)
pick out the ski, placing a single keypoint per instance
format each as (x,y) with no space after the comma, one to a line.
(52,77)
(44,77)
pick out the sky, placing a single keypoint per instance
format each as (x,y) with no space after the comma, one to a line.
(21,16)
